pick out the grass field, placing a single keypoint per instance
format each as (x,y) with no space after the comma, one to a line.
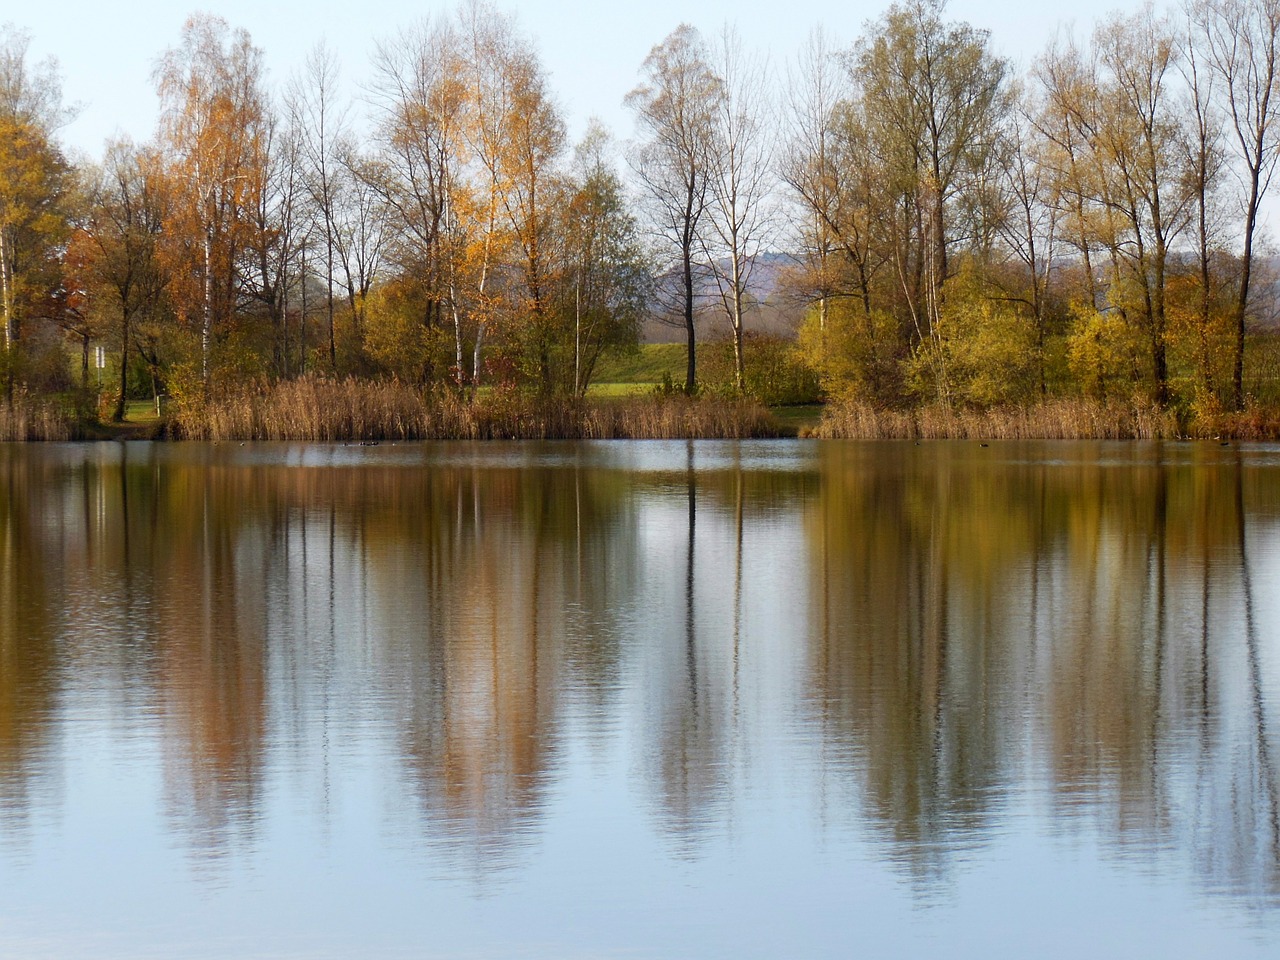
(643,368)
(140,411)
(650,364)
(618,389)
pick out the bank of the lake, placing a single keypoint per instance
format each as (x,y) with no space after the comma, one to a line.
(1064,418)
(318,409)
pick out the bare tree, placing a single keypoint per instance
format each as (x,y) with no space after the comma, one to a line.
(421,95)
(1060,122)
(1141,146)
(1116,125)
(675,107)
(741,181)
(1031,229)
(1239,39)
(809,164)
(362,228)
(321,121)
(1206,163)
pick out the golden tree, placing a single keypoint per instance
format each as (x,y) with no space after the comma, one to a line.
(35,183)
(214,117)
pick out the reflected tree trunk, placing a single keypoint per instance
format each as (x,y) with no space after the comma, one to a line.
(690,628)
(737,585)
(1266,770)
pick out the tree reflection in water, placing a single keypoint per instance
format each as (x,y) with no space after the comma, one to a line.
(954,633)
(977,618)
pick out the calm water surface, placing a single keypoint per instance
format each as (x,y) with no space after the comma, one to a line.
(650,700)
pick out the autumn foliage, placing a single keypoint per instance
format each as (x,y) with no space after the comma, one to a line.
(958,237)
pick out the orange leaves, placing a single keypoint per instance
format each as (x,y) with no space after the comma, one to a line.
(214,121)
(33,221)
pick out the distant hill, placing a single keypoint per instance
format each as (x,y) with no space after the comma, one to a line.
(777,311)
(772,310)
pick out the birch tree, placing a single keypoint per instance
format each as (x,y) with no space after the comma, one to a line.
(35,182)
(321,121)
(213,116)
(741,182)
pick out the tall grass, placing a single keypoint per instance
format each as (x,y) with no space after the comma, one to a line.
(28,418)
(318,409)
(1061,419)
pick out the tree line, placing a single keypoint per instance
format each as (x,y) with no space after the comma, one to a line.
(959,233)
(975,236)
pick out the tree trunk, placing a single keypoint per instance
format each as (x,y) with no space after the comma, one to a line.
(1242,302)
(739,369)
(206,320)
(10,321)
(686,257)
(118,416)
(84,362)
(691,363)
(328,286)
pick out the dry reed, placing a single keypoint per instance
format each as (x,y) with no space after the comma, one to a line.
(26,418)
(317,409)
(1061,419)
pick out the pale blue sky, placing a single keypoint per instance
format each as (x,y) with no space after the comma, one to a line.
(592,50)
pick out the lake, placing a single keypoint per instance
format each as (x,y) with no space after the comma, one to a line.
(780,699)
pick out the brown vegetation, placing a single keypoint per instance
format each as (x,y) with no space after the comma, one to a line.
(1063,419)
(28,418)
(319,409)
(1253,423)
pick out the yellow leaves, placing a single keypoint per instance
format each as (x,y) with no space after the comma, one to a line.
(32,178)
(1103,352)
(33,219)
(396,336)
(214,124)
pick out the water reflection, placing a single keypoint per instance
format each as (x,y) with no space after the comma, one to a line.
(1089,625)
(29,613)
(960,641)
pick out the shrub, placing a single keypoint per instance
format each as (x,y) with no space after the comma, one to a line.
(777,372)
(1104,353)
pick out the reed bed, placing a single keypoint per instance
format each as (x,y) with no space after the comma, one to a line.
(1253,423)
(27,418)
(317,409)
(1061,419)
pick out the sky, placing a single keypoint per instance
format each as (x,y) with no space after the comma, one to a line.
(592,50)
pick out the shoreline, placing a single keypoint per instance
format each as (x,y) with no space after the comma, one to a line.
(360,412)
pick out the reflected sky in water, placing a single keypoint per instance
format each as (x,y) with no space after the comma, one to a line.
(640,700)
